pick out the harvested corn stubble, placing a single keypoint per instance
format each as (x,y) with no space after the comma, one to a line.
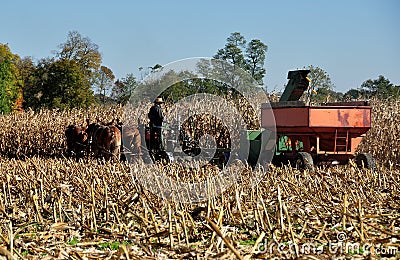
(51,206)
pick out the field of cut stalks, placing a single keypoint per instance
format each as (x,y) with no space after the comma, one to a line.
(53,207)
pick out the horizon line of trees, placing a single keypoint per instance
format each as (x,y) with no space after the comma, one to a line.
(75,77)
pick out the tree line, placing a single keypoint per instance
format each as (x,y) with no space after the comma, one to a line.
(323,90)
(75,77)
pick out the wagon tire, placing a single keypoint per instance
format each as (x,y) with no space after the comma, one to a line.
(365,160)
(304,161)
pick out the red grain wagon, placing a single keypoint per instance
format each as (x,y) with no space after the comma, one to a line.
(325,134)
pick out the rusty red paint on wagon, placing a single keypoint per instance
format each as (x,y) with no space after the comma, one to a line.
(329,132)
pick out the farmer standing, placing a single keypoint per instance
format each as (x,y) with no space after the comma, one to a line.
(156,119)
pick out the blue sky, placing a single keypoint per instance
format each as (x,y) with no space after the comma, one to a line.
(352,40)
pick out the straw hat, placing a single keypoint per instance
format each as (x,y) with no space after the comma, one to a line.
(158,100)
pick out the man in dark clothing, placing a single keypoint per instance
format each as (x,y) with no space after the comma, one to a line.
(156,119)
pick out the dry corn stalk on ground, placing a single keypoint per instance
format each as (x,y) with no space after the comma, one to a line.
(51,207)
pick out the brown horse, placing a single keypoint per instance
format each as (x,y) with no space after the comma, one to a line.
(131,141)
(105,140)
(77,140)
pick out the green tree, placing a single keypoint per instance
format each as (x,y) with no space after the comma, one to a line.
(33,90)
(381,88)
(233,50)
(156,67)
(62,84)
(104,80)
(83,51)
(122,89)
(145,71)
(255,58)
(65,81)
(10,80)
(191,86)
(353,94)
(249,57)
(27,70)
(321,87)
(152,87)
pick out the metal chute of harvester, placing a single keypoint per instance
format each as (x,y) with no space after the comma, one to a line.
(325,134)
(298,83)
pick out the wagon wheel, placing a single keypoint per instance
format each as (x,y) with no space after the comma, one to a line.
(304,161)
(365,160)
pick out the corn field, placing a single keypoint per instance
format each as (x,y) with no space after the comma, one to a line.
(54,207)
